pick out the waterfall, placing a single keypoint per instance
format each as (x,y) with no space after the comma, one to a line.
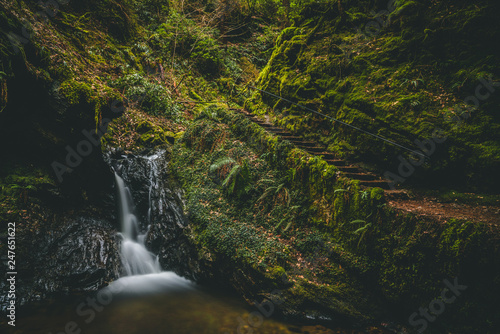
(136,259)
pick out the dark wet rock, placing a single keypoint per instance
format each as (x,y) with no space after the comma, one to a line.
(77,255)
(82,257)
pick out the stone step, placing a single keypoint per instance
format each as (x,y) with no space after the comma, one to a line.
(312,149)
(375,183)
(326,155)
(304,143)
(244,113)
(349,169)
(275,129)
(336,162)
(266,125)
(284,135)
(360,176)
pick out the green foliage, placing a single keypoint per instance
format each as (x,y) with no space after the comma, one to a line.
(274,191)
(362,230)
(184,37)
(118,16)
(152,11)
(149,95)
(218,206)
(238,180)
(19,186)
(206,55)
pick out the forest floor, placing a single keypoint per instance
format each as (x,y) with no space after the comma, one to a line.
(441,209)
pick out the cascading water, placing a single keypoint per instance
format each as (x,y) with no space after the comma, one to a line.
(142,272)
(136,259)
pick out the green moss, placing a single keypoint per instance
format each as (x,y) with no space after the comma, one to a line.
(396,85)
(93,93)
(276,273)
(377,194)
(408,257)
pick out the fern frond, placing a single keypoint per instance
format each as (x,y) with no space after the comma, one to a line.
(232,174)
(288,225)
(278,225)
(220,163)
(361,229)
(266,193)
(288,197)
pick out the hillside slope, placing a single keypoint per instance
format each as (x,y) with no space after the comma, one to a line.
(409,71)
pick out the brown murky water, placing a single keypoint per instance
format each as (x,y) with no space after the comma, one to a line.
(160,303)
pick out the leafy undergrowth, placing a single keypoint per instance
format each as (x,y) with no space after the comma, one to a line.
(245,207)
(243,210)
(136,130)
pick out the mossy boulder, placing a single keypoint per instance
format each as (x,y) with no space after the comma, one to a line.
(153,135)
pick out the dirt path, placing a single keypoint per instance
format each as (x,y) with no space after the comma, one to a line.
(443,211)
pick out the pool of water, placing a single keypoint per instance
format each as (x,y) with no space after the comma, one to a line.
(159,303)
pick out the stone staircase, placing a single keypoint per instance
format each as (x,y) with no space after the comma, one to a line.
(346,169)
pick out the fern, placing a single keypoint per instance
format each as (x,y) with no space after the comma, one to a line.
(293,208)
(238,179)
(266,193)
(275,190)
(231,179)
(221,163)
(364,195)
(362,229)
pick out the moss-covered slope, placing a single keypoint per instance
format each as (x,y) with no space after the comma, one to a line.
(407,71)
(269,217)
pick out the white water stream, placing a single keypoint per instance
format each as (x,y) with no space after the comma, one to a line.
(142,271)
(136,259)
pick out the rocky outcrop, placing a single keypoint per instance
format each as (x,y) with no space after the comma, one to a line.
(67,255)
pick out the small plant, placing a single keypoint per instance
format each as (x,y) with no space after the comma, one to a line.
(362,230)
(364,195)
(23,191)
(151,96)
(413,83)
(237,180)
(288,216)
(208,113)
(280,191)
